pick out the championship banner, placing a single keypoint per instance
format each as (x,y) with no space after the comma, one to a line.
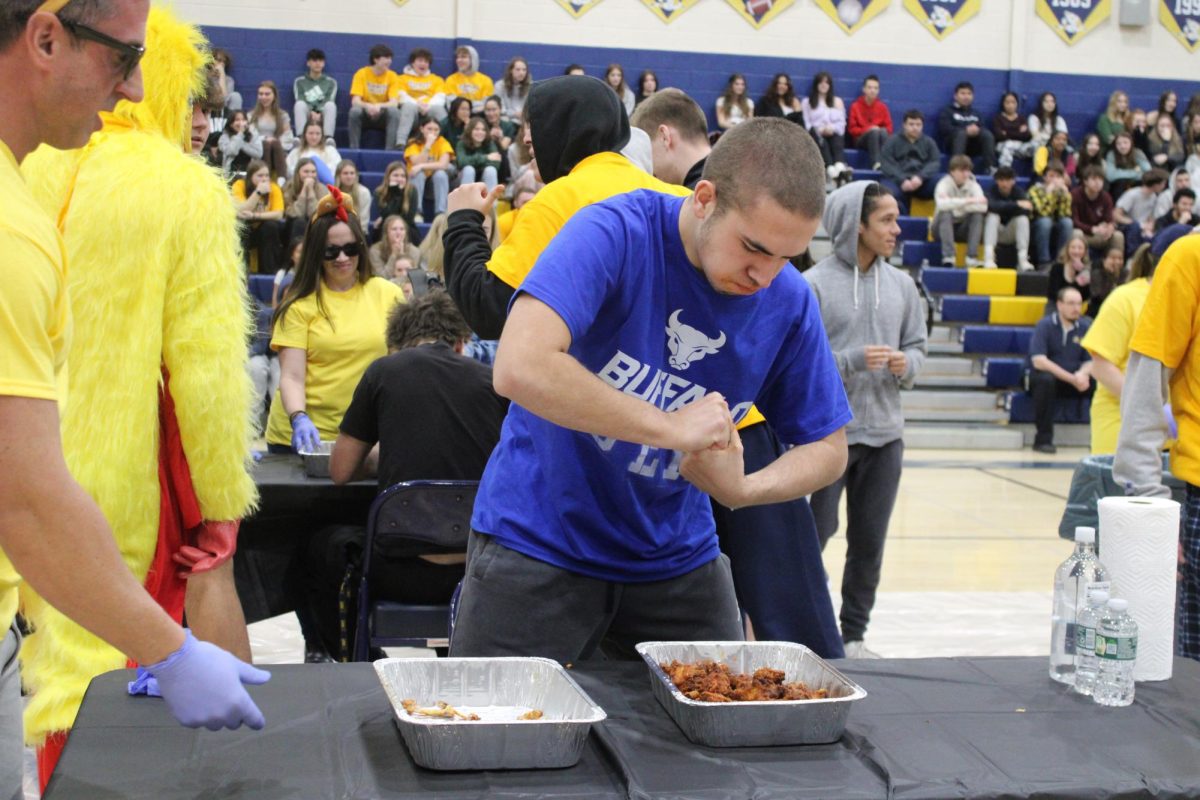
(942,17)
(1073,19)
(1182,19)
(759,12)
(850,15)
(667,10)
(577,8)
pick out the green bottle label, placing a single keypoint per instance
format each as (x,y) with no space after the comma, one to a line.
(1116,648)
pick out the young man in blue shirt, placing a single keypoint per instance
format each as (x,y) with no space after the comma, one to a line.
(647,329)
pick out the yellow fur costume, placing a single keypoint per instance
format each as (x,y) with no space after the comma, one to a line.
(154,275)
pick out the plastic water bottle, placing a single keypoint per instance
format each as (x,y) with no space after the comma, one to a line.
(1116,649)
(1087,666)
(1075,577)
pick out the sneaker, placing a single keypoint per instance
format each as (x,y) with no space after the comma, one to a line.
(989,264)
(974,262)
(857,649)
(1045,447)
(330,142)
(317,657)
(1024,265)
(877,165)
(832,171)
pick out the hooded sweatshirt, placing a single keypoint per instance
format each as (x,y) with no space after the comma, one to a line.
(879,306)
(579,127)
(472,84)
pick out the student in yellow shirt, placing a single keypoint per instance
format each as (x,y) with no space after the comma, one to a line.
(374,99)
(422,94)
(259,202)
(328,330)
(469,82)
(429,157)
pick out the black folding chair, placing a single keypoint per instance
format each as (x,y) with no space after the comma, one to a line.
(407,520)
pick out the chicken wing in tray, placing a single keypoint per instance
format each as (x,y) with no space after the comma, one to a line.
(710,682)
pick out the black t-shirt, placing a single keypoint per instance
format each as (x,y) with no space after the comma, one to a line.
(433,412)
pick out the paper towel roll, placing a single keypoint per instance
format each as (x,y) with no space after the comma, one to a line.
(1139,544)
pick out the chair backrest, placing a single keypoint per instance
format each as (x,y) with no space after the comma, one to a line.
(420,517)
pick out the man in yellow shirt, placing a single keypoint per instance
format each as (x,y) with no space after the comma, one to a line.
(374,102)
(469,82)
(422,94)
(59,67)
(1166,358)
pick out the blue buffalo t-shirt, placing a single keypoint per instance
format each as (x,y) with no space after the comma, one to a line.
(647,323)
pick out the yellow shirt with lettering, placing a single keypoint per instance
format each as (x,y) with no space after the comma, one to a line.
(476,88)
(422,88)
(1109,337)
(35,317)
(373,88)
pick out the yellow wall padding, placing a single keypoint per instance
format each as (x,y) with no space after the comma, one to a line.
(1016,310)
(994,282)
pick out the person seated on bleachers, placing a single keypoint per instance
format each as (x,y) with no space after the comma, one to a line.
(614,76)
(1191,134)
(734,106)
(500,129)
(259,204)
(455,418)
(286,274)
(910,161)
(962,129)
(316,95)
(262,365)
(1045,121)
(238,145)
(224,64)
(1181,212)
(1179,179)
(468,81)
(522,171)
(315,146)
(1114,119)
(1168,104)
(477,156)
(1140,129)
(1124,164)
(1092,211)
(374,99)
(1106,277)
(1052,223)
(395,197)
(1165,145)
(430,159)
(301,195)
(678,132)
(422,93)
(1072,268)
(647,85)
(870,122)
(513,88)
(574,69)
(1090,152)
(780,98)
(271,122)
(346,180)
(1007,219)
(961,206)
(1107,341)
(1136,208)
(457,117)
(1011,131)
(824,116)
(393,245)
(1059,149)
(1059,366)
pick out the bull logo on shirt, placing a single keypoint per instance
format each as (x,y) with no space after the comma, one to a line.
(687,344)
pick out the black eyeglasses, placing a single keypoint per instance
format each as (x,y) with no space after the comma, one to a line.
(334,250)
(130,54)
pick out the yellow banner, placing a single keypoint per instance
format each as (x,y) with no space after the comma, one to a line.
(942,17)
(1073,19)
(850,15)
(577,8)
(759,12)
(668,10)
(1182,19)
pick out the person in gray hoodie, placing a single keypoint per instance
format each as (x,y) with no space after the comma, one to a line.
(875,322)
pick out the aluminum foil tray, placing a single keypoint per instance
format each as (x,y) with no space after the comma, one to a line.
(316,462)
(499,690)
(754,724)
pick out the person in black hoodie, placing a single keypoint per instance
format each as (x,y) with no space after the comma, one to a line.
(575,128)
(962,129)
(1007,220)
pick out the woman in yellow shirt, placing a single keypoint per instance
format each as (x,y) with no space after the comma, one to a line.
(429,155)
(261,207)
(328,329)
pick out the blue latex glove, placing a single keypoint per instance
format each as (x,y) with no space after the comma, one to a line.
(304,434)
(1172,426)
(145,684)
(202,686)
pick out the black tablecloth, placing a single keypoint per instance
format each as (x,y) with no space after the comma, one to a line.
(291,507)
(930,728)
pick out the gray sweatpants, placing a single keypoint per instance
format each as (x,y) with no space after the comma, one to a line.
(12,734)
(513,605)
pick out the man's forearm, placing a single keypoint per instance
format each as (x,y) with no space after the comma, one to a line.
(800,471)
(1044,364)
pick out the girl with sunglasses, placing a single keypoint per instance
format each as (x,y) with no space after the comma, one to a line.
(328,329)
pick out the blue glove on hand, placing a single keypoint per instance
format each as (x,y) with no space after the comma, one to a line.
(202,686)
(305,437)
(1172,426)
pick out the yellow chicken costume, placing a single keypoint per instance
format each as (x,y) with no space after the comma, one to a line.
(158,383)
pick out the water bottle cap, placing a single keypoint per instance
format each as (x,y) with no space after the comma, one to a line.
(1117,604)
(1085,534)
(1098,597)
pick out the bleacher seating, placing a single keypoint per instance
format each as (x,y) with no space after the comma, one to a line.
(1067,411)
(996,339)
(1002,373)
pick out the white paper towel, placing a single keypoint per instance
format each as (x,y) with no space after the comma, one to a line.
(1139,544)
